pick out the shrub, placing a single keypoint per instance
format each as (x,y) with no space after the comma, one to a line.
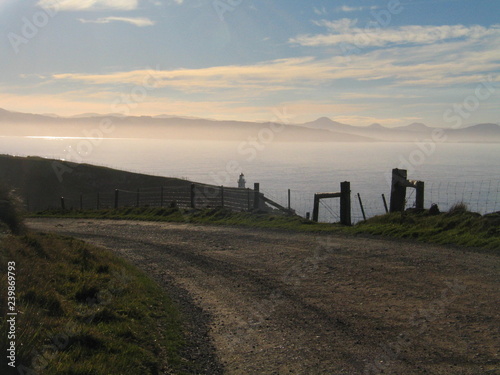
(11,210)
(458,208)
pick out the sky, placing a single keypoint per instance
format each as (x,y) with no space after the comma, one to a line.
(392,62)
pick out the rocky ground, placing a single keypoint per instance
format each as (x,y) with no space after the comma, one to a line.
(274,302)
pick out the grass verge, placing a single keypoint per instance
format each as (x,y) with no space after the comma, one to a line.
(81,310)
(458,227)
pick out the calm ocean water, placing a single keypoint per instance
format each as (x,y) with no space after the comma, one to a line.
(452,172)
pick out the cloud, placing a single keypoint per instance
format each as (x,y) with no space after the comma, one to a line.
(348,9)
(439,65)
(136,21)
(320,11)
(346,31)
(84,5)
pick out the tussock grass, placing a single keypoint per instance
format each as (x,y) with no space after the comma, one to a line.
(456,227)
(82,310)
(10,210)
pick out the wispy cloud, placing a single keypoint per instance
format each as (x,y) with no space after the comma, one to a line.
(349,9)
(430,65)
(320,11)
(80,5)
(346,31)
(136,21)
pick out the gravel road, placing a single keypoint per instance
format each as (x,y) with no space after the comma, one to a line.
(273,302)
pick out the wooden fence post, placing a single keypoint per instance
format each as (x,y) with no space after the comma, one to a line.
(256,195)
(362,208)
(398,190)
(385,204)
(345,203)
(419,199)
(193,195)
(63,206)
(248,200)
(116,198)
(222,196)
(316,208)
(289,199)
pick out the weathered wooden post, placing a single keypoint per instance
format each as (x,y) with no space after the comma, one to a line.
(316,208)
(289,200)
(222,196)
(256,196)
(193,187)
(345,203)
(419,199)
(249,206)
(63,206)
(116,198)
(398,190)
(362,208)
(385,204)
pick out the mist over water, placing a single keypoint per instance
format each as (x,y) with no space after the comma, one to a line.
(452,173)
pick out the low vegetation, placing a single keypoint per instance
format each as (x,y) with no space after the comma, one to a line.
(456,227)
(82,310)
(10,210)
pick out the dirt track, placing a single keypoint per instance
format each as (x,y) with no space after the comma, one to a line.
(279,303)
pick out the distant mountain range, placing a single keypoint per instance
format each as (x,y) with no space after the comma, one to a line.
(172,127)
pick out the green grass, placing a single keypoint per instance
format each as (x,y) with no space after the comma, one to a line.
(458,227)
(82,310)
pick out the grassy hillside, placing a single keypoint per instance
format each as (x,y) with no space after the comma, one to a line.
(82,310)
(41,182)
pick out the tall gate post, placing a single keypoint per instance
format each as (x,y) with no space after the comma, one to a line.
(398,190)
(316,208)
(256,196)
(419,199)
(345,203)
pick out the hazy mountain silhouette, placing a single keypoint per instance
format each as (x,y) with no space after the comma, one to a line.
(21,124)
(323,129)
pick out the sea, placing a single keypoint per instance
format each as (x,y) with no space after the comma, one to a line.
(452,172)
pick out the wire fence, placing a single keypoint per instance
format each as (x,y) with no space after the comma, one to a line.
(482,196)
(191,195)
